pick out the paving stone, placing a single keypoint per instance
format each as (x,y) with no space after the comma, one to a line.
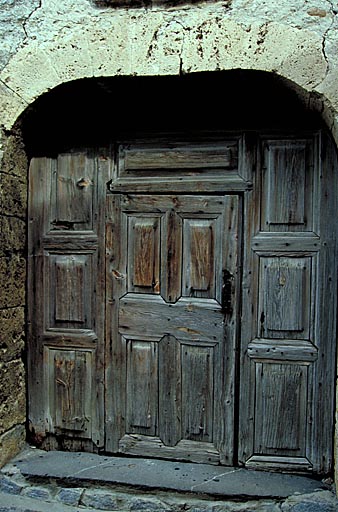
(151,505)
(99,499)
(38,493)
(70,496)
(9,486)
(320,506)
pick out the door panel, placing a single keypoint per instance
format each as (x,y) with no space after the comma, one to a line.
(66,300)
(170,342)
(285,326)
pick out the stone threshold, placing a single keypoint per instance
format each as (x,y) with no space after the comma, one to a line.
(38,481)
(219,482)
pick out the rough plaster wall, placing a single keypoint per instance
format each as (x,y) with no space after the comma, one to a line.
(48,42)
(14,15)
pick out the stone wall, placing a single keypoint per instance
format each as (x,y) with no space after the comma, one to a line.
(45,43)
(13,191)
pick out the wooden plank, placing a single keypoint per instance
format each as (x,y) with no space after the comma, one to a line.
(287,184)
(142,387)
(143,254)
(192,451)
(281,409)
(325,325)
(156,156)
(249,312)
(69,288)
(170,396)
(230,182)
(286,242)
(151,316)
(274,463)
(181,204)
(70,390)
(40,172)
(198,254)
(74,192)
(229,246)
(197,392)
(288,350)
(284,289)
(171,257)
(79,242)
(115,354)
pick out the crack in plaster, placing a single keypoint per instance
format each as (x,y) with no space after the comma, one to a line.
(162,30)
(24,24)
(14,92)
(332,10)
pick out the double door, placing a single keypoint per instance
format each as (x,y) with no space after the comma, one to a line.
(181,300)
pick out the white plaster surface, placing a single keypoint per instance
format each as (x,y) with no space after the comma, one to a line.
(47,42)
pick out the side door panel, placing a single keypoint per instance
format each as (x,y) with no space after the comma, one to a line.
(66,300)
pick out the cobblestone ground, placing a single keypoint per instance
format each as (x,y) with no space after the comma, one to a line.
(18,494)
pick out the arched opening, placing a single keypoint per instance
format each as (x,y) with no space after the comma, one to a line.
(181,258)
(93,111)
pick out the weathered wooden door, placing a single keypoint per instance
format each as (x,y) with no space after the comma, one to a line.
(152,267)
(289,306)
(66,300)
(172,263)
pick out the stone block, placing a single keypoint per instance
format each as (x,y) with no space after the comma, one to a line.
(321,501)
(11,333)
(11,443)
(150,505)
(70,496)
(99,499)
(13,395)
(13,281)
(38,493)
(12,235)
(9,486)
(305,506)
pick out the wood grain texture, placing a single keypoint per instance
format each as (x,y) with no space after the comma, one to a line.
(173,380)
(170,391)
(66,242)
(144,254)
(287,186)
(142,387)
(285,339)
(281,409)
(197,393)
(70,389)
(193,451)
(179,293)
